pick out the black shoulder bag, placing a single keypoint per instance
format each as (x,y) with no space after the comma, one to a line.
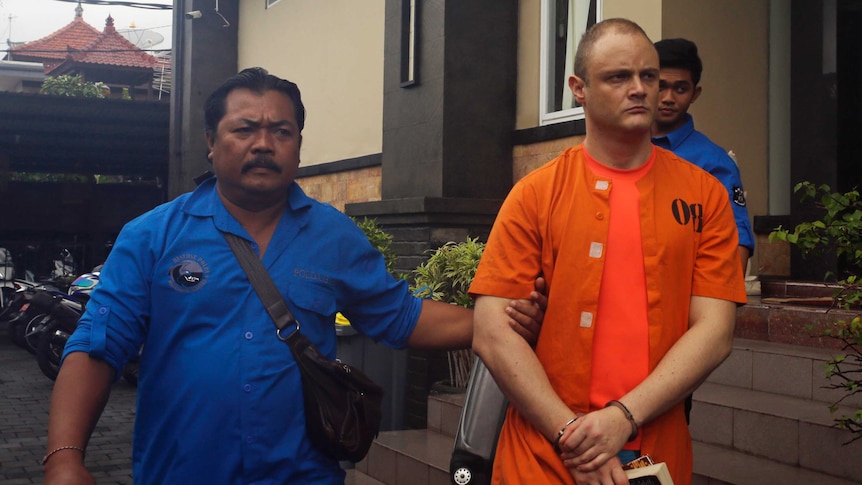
(342,405)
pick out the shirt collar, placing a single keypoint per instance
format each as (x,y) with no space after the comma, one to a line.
(675,138)
(204,202)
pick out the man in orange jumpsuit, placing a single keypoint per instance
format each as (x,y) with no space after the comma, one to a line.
(639,251)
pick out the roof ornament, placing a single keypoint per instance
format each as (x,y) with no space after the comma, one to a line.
(109,24)
(79,10)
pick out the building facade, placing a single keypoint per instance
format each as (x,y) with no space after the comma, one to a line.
(423,113)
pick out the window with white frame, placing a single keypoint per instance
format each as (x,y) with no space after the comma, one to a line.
(563,24)
(270,3)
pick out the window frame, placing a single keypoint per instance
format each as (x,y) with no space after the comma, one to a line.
(546,65)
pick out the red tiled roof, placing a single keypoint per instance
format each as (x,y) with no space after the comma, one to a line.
(76,35)
(109,49)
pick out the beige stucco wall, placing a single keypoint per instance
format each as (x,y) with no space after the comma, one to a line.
(334,51)
(732,110)
(733,107)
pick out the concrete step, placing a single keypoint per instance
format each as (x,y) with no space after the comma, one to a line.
(763,414)
(786,430)
(421,457)
(414,457)
(355,477)
(783,369)
(444,412)
(713,462)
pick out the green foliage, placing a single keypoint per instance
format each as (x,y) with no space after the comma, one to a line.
(50,177)
(446,277)
(381,240)
(74,86)
(839,231)
(448,273)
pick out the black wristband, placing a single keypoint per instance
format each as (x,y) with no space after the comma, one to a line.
(622,407)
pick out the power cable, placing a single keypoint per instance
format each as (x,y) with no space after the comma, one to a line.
(120,3)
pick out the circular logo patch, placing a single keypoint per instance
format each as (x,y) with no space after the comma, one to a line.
(188,273)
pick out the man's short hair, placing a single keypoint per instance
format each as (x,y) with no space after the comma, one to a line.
(258,80)
(594,33)
(680,54)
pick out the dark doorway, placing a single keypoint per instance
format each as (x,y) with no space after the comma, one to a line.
(826,109)
(849,102)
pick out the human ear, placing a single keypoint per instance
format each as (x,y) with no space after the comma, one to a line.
(210,142)
(696,94)
(577,86)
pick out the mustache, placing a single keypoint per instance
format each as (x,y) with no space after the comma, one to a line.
(261,162)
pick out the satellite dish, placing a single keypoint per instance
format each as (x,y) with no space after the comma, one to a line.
(142,38)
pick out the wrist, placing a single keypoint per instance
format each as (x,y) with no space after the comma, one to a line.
(629,417)
(562,431)
(63,450)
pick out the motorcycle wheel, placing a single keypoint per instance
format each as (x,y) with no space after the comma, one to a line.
(130,372)
(8,298)
(50,350)
(16,331)
(34,329)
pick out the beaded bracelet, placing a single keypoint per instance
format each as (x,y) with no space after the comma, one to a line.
(629,416)
(55,450)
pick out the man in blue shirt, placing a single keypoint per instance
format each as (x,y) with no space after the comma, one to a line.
(218,394)
(681,68)
(673,129)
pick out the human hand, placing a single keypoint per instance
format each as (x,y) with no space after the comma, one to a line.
(611,473)
(60,471)
(594,439)
(526,316)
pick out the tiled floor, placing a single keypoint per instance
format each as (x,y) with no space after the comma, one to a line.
(357,478)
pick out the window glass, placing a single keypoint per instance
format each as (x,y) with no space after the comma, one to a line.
(563,24)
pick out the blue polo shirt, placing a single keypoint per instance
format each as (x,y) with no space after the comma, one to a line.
(694,146)
(219,396)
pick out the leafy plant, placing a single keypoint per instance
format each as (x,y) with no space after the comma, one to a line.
(381,240)
(446,277)
(839,231)
(73,86)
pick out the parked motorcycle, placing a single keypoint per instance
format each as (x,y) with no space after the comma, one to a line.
(59,317)
(59,321)
(7,279)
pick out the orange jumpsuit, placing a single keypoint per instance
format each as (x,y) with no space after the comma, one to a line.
(554,223)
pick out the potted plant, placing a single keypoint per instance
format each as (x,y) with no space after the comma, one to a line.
(838,231)
(446,276)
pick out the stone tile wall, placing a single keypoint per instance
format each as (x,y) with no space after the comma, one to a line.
(340,188)
(527,158)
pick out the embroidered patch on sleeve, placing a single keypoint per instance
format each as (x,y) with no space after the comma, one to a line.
(739,196)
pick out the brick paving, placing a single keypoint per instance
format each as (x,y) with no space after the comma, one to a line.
(25,395)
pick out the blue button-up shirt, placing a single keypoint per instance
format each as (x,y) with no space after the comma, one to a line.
(219,396)
(694,146)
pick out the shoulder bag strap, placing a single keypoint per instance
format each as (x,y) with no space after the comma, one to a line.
(261,282)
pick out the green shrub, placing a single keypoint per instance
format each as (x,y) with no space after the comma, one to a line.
(838,231)
(446,277)
(74,86)
(448,273)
